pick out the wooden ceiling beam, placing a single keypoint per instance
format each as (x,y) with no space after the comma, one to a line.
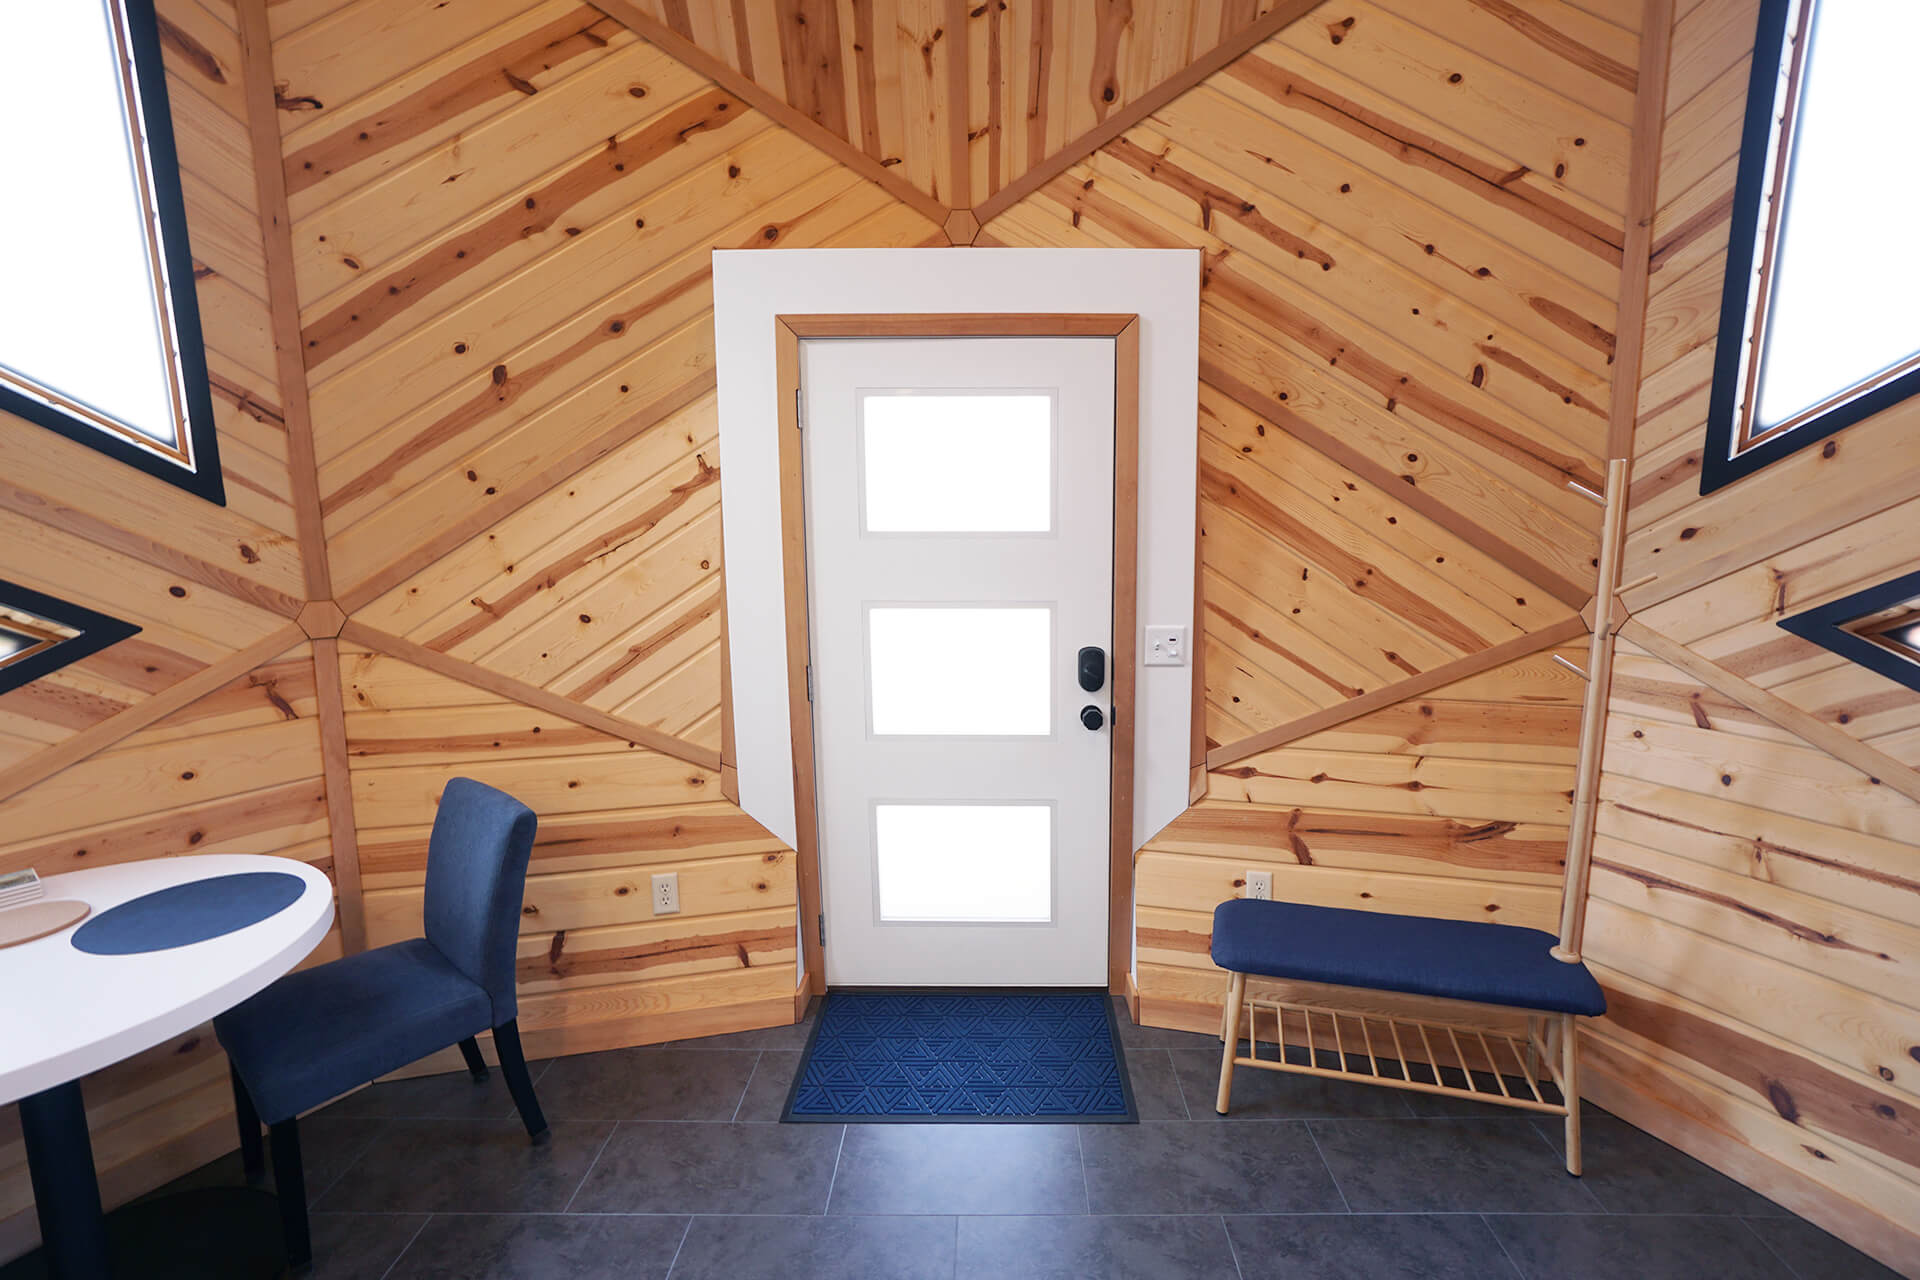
(1278,19)
(1643,181)
(1815,732)
(664,38)
(283,298)
(1412,687)
(529,695)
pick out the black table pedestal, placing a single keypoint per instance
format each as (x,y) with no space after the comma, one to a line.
(189,1235)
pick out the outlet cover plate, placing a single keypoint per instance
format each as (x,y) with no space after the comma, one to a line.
(1260,885)
(666,893)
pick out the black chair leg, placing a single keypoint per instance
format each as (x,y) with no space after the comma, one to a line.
(513,1065)
(290,1184)
(476,1065)
(253,1158)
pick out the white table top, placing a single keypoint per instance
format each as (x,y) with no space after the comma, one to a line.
(64,1013)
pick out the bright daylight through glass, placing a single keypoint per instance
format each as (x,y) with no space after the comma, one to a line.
(80,317)
(975,862)
(1849,263)
(957,463)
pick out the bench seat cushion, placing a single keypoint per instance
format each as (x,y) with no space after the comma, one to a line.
(1499,964)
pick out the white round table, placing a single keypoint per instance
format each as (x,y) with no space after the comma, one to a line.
(67,1013)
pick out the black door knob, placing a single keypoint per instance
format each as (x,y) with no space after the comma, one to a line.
(1090,716)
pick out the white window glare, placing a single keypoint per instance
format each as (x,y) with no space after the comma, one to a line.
(81,325)
(1847,262)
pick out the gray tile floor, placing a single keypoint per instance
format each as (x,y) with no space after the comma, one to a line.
(669,1162)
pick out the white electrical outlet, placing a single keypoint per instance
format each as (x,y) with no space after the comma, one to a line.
(666,893)
(1259,885)
(1164,646)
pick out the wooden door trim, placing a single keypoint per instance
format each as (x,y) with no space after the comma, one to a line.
(1124,329)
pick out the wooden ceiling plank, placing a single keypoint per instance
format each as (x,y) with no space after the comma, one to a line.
(1413,687)
(529,695)
(276,230)
(1039,174)
(744,87)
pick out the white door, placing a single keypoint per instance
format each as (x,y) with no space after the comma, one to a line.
(959,500)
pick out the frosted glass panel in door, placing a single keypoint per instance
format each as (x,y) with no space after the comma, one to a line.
(973,862)
(960,671)
(935,463)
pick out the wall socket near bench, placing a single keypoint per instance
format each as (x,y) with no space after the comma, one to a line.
(1259,885)
(666,893)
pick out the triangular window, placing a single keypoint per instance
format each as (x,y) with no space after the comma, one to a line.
(99,330)
(1817,326)
(39,634)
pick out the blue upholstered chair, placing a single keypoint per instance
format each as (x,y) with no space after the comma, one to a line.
(320,1032)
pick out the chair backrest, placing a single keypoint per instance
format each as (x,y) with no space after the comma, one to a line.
(476,877)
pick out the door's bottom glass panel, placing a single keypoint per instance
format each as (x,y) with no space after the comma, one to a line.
(973,863)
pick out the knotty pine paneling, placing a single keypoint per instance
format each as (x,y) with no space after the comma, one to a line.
(1756,906)
(237,771)
(597,966)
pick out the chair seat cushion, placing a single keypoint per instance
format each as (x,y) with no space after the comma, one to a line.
(315,1034)
(1486,963)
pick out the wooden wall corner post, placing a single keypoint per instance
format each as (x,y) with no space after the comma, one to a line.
(788,332)
(342,833)
(1593,715)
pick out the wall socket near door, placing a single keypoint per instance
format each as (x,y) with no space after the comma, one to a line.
(1259,885)
(1164,646)
(666,893)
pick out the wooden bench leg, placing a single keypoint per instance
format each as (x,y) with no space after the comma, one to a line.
(1236,1000)
(1570,1087)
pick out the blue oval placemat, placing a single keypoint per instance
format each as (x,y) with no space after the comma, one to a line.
(183,914)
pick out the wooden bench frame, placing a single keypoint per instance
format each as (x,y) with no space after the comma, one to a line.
(1551,1041)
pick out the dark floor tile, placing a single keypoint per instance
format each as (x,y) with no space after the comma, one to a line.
(1631,1171)
(541,1246)
(1608,1247)
(1440,1246)
(1262,1166)
(961,1168)
(1448,1166)
(452,1094)
(1812,1254)
(772,1248)
(648,1084)
(1040,1248)
(712,1168)
(782,1037)
(355,1246)
(1440,1104)
(1132,1036)
(1156,1090)
(467,1166)
(767,1090)
(329,1145)
(1260,1094)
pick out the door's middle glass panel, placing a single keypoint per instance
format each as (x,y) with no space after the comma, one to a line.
(964,862)
(960,670)
(947,463)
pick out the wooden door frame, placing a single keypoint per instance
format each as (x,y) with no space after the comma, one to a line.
(789,331)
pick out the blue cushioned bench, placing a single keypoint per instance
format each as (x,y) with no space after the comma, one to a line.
(1495,967)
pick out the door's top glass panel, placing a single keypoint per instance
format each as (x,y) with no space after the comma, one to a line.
(956,462)
(950,671)
(971,863)
(1840,309)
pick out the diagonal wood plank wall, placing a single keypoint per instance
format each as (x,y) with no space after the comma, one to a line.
(480,268)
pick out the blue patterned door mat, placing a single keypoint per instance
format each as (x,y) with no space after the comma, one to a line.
(976,1056)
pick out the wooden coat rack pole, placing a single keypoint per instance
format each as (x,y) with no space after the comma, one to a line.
(1586,784)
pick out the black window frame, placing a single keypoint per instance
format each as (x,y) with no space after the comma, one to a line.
(95,631)
(1723,461)
(204,477)
(1826,626)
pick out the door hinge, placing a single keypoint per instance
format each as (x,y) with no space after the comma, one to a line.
(809,682)
(823,928)
(799,408)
